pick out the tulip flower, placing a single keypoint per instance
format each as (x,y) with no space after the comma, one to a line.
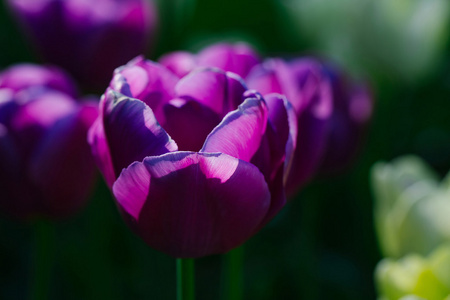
(46,168)
(24,76)
(411,207)
(238,58)
(196,164)
(87,38)
(415,276)
(307,86)
(352,109)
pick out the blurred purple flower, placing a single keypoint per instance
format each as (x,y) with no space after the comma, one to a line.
(238,58)
(45,164)
(197,165)
(88,38)
(307,86)
(23,76)
(353,104)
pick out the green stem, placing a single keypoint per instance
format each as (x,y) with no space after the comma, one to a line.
(185,279)
(233,275)
(44,240)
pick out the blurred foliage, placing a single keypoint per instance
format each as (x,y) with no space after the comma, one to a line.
(322,245)
(399,40)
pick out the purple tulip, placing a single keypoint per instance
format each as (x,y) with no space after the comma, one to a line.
(23,76)
(238,58)
(45,163)
(196,165)
(88,38)
(307,86)
(352,111)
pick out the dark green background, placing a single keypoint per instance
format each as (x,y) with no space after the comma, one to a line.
(321,246)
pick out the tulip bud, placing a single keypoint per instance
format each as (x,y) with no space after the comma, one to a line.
(411,207)
(415,277)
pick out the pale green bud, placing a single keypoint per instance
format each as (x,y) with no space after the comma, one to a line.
(411,208)
(415,277)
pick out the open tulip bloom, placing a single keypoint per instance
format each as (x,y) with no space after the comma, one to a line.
(197,165)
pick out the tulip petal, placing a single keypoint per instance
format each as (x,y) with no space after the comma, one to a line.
(23,76)
(100,151)
(189,123)
(147,81)
(238,58)
(180,62)
(18,198)
(193,204)
(218,90)
(240,133)
(37,111)
(132,131)
(62,166)
(275,154)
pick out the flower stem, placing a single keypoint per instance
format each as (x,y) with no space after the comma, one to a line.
(44,239)
(185,279)
(233,276)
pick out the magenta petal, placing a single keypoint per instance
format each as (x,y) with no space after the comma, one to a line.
(193,204)
(132,131)
(180,62)
(271,76)
(240,133)
(238,58)
(220,91)
(23,76)
(189,123)
(145,80)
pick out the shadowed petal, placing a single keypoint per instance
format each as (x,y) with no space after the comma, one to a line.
(275,154)
(132,131)
(220,91)
(17,197)
(62,166)
(240,133)
(193,204)
(9,158)
(311,143)
(100,151)
(189,123)
(284,122)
